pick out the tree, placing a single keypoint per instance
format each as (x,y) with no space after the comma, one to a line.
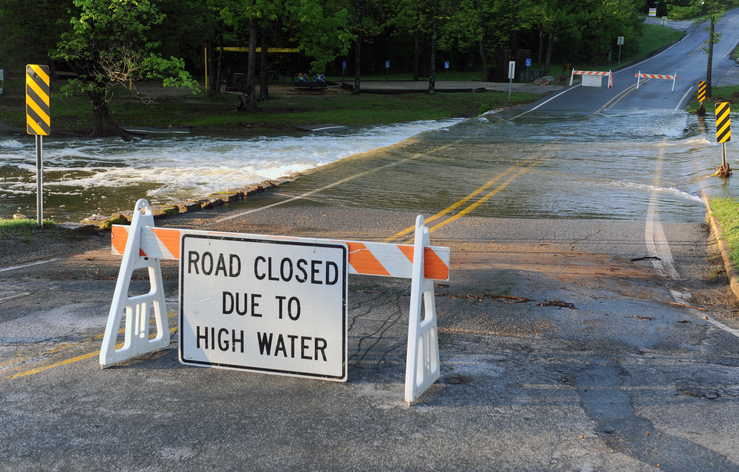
(411,17)
(107,45)
(714,11)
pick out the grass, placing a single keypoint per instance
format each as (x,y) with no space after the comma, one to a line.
(25,230)
(726,211)
(287,110)
(281,111)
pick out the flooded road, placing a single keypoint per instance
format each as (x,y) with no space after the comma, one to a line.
(542,165)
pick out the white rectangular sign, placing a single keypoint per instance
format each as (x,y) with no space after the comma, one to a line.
(511,69)
(267,305)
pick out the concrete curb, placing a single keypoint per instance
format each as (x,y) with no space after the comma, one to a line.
(731,271)
(194,204)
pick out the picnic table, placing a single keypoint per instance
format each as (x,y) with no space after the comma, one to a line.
(310,85)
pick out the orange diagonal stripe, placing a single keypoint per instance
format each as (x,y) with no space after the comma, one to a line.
(433,266)
(118,237)
(363,261)
(170,238)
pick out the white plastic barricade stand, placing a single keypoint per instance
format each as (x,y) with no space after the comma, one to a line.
(609,74)
(142,245)
(422,364)
(137,308)
(639,75)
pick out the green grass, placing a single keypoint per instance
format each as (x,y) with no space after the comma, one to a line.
(25,230)
(281,111)
(726,211)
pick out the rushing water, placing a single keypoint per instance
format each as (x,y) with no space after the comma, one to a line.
(85,176)
(574,165)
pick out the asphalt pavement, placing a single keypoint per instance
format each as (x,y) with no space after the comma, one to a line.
(561,343)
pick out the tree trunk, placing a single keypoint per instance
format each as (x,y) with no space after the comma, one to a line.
(485,68)
(710,57)
(550,46)
(432,69)
(263,77)
(251,99)
(358,47)
(217,92)
(481,44)
(415,56)
(541,46)
(99,113)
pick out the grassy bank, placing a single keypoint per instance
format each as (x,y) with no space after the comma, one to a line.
(25,230)
(285,109)
(726,211)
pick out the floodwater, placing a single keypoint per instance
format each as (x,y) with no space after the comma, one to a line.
(551,165)
(85,176)
(563,165)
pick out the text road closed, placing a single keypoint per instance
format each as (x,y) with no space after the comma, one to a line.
(264,304)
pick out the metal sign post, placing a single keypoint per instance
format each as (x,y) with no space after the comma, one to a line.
(343,71)
(620,43)
(446,66)
(511,73)
(723,134)
(38,123)
(387,67)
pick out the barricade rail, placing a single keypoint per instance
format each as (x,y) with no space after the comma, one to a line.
(592,72)
(639,75)
(142,245)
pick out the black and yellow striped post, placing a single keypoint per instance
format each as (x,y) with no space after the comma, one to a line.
(723,128)
(38,123)
(702,91)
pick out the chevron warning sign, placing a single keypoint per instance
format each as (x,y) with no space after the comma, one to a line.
(723,122)
(38,114)
(702,91)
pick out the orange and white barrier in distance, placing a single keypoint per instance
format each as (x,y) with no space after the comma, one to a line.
(639,75)
(592,72)
(143,245)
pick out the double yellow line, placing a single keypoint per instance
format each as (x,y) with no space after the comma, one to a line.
(512,173)
(61,351)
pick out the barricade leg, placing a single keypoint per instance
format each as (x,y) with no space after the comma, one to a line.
(138,309)
(422,361)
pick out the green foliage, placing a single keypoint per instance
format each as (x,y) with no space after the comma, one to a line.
(726,211)
(107,44)
(24,230)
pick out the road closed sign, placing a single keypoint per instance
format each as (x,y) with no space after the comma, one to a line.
(264,304)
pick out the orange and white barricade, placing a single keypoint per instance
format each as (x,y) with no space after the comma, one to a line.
(143,245)
(639,75)
(592,72)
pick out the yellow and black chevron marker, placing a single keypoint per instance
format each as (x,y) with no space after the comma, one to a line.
(723,122)
(702,91)
(38,113)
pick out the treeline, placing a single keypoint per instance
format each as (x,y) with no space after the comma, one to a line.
(104,42)
(363,33)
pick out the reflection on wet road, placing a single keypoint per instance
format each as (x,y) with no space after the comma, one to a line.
(568,166)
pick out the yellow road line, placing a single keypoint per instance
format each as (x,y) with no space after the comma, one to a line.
(700,48)
(463,200)
(487,197)
(618,97)
(69,346)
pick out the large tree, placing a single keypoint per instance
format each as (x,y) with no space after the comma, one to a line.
(711,11)
(108,45)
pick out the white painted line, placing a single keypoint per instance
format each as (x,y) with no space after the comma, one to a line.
(29,265)
(544,103)
(720,325)
(653,57)
(17,295)
(654,235)
(681,100)
(731,49)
